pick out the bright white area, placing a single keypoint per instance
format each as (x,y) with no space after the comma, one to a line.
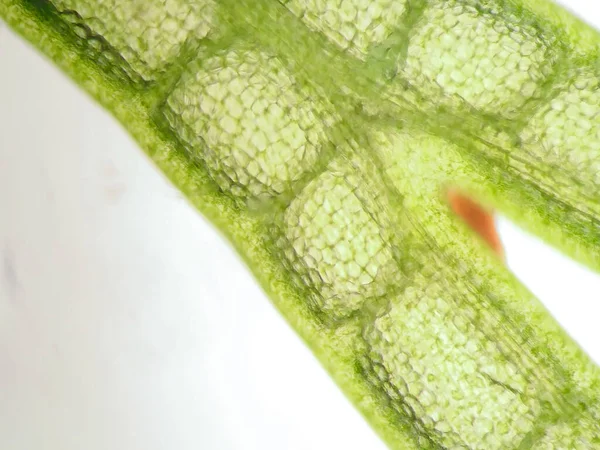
(127,322)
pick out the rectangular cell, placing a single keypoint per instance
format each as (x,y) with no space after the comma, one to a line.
(337,246)
(440,367)
(353,25)
(480,52)
(148,34)
(253,125)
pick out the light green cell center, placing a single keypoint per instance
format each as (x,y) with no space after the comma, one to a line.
(147,33)
(337,245)
(353,25)
(566,133)
(445,369)
(253,126)
(582,436)
(493,64)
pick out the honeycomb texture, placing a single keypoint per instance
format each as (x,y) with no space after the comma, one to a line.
(329,184)
(353,25)
(336,244)
(493,62)
(566,132)
(248,120)
(427,349)
(147,33)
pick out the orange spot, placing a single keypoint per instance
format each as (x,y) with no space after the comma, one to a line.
(478,219)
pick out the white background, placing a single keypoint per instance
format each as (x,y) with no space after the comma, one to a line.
(127,322)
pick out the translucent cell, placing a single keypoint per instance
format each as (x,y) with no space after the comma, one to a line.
(147,33)
(478,52)
(353,25)
(431,356)
(566,132)
(580,435)
(336,245)
(414,338)
(246,118)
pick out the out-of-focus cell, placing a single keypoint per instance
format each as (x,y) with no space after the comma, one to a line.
(353,25)
(147,33)
(581,435)
(566,132)
(479,52)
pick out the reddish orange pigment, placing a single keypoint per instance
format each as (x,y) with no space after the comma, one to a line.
(478,219)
